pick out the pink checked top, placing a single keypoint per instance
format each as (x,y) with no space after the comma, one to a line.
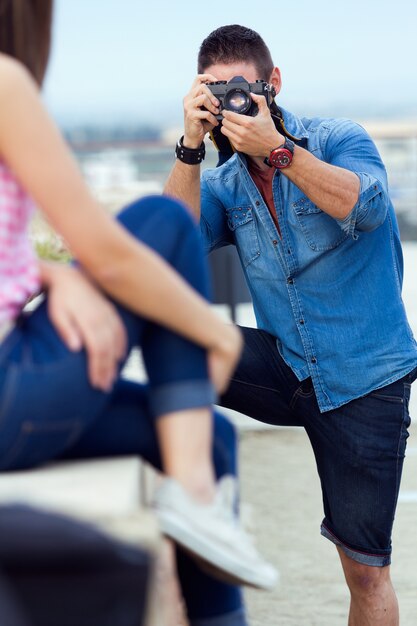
(19,270)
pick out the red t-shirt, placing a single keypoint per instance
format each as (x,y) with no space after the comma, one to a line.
(263,180)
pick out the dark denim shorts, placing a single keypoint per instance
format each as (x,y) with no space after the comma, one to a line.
(361,475)
(359,447)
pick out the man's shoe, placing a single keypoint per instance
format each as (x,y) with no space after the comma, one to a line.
(212,533)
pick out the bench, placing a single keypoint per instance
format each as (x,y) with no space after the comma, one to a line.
(112,494)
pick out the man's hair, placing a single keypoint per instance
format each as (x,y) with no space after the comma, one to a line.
(25,33)
(234,43)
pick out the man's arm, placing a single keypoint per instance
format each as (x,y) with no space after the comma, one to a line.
(184,183)
(334,190)
(200,108)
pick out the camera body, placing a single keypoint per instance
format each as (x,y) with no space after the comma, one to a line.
(235,95)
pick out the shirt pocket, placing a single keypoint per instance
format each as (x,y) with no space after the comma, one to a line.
(240,221)
(321,231)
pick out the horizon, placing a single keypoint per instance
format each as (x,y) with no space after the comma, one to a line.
(120,60)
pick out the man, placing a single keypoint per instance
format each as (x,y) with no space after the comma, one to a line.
(306,204)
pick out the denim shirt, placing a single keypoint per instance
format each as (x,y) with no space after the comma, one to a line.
(329,290)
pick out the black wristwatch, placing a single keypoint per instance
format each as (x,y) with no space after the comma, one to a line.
(190,156)
(281,157)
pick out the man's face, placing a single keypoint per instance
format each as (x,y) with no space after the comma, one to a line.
(225,72)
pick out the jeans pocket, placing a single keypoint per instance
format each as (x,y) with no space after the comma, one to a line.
(39,442)
(386,397)
(394,392)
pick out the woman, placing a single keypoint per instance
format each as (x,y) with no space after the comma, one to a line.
(138,281)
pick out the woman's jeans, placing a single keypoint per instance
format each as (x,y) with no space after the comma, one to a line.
(48,410)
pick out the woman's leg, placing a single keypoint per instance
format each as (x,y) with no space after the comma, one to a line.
(45,392)
(177,369)
(125,428)
(185,435)
(61,416)
(48,402)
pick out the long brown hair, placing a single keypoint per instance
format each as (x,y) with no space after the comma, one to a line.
(25,33)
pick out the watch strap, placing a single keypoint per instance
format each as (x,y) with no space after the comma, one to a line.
(190,156)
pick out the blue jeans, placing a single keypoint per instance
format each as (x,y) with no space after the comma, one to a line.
(359,448)
(48,410)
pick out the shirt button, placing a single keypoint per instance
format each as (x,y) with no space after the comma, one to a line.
(290,281)
(274,241)
(313,359)
(302,322)
(257,203)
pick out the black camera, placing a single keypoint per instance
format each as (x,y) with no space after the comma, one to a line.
(235,95)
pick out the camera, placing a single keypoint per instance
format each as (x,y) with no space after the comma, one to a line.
(235,95)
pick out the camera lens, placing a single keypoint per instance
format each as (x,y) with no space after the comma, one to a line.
(237,100)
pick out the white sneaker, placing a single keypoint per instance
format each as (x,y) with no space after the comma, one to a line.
(212,532)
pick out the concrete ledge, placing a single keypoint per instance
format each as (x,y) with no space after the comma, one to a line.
(108,493)
(92,487)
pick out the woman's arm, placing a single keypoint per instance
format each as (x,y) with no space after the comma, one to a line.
(33,148)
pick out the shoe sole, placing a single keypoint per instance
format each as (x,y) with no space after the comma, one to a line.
(215,561)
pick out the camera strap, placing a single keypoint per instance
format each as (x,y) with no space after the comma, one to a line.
(278,118)
(221,142)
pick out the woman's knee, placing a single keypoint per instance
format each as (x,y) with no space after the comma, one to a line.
(152,212)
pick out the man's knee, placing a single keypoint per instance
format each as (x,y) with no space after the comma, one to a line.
(364,580)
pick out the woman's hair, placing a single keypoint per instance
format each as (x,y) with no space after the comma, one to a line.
(25,33)
(234,43)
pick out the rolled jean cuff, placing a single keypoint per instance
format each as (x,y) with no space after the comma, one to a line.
(365,558)
(181,395)
(236,618)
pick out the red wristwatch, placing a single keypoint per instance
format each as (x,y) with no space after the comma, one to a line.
(281,157)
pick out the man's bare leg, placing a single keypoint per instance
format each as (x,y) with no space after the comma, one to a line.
(373,599)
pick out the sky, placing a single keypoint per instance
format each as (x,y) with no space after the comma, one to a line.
(133,61)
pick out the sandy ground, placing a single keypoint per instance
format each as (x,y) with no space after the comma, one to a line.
(281,488)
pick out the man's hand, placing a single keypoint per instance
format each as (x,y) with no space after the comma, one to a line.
(85,318)
(254,136)
(200,108)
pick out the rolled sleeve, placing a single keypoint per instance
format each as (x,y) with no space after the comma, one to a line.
(370,210)
(349,146)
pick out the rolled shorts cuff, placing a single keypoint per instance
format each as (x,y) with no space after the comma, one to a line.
(181,395)
(360,556)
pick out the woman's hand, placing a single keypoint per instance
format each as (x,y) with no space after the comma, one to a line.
(223,358)
(85,318)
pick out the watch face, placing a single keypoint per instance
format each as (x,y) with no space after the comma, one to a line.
(280,158)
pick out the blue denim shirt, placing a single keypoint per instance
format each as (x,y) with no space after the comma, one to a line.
(329,290)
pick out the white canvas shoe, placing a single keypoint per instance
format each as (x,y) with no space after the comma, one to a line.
(212,533)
